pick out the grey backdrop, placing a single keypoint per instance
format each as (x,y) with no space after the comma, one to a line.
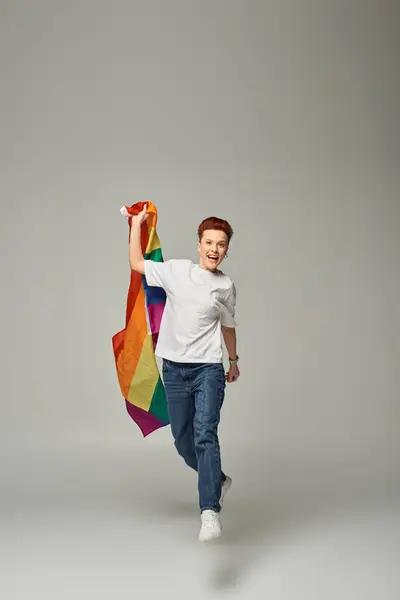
(281,117)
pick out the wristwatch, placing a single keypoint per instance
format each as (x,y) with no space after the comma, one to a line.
(233,361)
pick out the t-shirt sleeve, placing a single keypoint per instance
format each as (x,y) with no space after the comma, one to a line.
(229,307)
(158,274)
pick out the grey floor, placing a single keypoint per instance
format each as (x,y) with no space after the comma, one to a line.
(84,521)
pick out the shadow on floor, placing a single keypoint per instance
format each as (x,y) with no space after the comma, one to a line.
(261,513)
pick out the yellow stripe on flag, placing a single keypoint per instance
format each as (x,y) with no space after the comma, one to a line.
(154,242)
(145,378)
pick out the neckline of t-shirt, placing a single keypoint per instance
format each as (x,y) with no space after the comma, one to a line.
(212,273)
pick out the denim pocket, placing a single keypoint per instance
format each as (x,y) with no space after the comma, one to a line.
(221,381)
(221,374)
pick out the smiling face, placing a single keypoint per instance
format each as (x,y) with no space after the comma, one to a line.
(212,248)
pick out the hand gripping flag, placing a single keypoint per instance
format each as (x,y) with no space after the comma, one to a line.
(134,346)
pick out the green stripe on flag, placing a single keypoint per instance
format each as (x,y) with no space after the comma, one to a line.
(158,406)
(156,255)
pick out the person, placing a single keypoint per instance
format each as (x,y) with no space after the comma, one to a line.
(199,312)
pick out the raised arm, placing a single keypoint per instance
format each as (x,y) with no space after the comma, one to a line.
(136,259)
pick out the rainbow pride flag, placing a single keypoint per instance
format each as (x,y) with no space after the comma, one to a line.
(134,346)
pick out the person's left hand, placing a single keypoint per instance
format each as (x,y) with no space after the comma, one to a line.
(233,374)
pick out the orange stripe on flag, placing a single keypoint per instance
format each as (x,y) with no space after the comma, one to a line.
(135,335)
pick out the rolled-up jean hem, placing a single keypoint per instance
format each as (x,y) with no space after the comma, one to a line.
(214,508)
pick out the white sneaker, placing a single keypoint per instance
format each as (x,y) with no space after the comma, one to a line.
(210,526)
(224,489)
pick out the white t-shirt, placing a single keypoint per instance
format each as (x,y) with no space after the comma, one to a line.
(198,303)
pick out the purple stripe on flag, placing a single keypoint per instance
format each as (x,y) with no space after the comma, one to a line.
(155,312)
(155,340)
(146,421)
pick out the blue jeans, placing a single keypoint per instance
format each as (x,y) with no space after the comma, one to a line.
(195,393)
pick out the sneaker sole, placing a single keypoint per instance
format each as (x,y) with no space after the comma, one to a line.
(210,539)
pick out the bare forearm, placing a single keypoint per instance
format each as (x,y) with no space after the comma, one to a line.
(229,335)
(136,260)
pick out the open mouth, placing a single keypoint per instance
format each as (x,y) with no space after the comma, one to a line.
(213,258)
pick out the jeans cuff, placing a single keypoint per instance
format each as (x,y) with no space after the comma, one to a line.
(214,508)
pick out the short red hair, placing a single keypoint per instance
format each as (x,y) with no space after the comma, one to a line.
(215,223)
